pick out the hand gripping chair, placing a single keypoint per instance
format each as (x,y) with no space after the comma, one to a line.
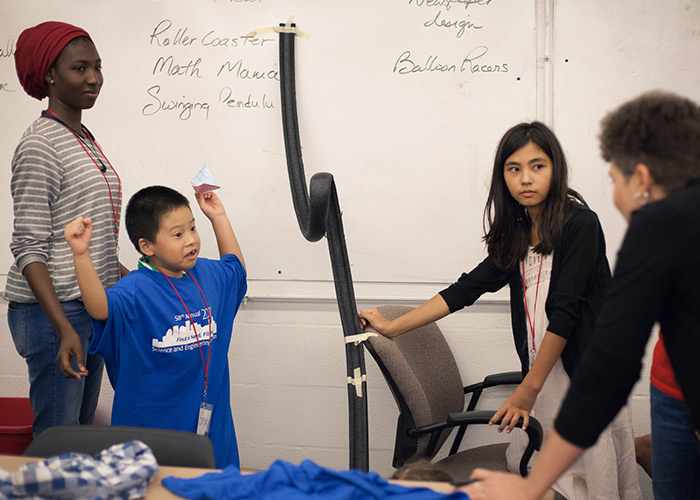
(173,448)
(422,374)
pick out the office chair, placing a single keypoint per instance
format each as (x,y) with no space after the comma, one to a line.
(173,448)
(423,377)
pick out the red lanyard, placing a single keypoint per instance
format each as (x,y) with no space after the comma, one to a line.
(115,211)
(204,364)
(534,309)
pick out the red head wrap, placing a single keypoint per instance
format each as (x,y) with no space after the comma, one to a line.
(37,50)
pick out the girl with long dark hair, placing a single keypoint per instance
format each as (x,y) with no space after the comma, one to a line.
(548,246)
(652,144)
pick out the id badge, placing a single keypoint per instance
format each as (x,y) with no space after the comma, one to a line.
(205,410)
(533,355)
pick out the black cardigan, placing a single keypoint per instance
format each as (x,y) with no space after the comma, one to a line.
(657,279)
(580,273)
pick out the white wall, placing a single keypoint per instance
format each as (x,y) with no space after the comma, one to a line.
(289,396)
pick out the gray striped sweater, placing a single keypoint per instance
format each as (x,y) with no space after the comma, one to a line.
(54,181)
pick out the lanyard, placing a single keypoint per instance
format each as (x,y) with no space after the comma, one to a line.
(201,352)
(101,167)
(534,309)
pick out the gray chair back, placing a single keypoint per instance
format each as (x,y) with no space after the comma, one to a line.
(422,373)
(172,448)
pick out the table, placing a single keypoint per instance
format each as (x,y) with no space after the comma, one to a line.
(157,491)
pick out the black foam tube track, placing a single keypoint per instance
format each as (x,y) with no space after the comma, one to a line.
(318,214)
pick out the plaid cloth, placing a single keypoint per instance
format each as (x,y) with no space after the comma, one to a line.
(120,472)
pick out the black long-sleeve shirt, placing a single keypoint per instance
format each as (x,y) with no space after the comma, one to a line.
(656,279)
(580,273)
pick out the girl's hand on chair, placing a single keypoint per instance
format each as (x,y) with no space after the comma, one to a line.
(376,320)
(517,406)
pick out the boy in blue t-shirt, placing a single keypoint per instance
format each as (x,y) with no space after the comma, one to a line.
(165,329)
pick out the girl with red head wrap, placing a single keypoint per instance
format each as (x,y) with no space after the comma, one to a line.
(37,50)
(59,172)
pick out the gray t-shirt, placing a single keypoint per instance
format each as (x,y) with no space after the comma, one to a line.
(54,180)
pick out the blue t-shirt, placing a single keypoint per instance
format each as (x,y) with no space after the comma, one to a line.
(151,354)
(306,481)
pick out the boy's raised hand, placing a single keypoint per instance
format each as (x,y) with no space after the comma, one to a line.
(78,234)
(225,237)
(210,204)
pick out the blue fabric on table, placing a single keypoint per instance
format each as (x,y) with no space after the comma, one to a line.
(122,471)
(283,480)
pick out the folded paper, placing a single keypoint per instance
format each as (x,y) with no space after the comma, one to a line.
(203,182)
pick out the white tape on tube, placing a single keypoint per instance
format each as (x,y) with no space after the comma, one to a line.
(287,28)
(360,337)
(357,380)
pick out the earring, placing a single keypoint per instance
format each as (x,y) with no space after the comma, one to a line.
(641,198)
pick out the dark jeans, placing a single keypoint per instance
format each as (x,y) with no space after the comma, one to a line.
(674,455)
(55,399)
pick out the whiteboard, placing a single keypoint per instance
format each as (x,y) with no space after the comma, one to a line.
(606,53)
(402,101)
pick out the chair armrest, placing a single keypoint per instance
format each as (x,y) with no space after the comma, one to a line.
(505,378)
(534,431)
(461,419)
(494,380)
(471,417)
